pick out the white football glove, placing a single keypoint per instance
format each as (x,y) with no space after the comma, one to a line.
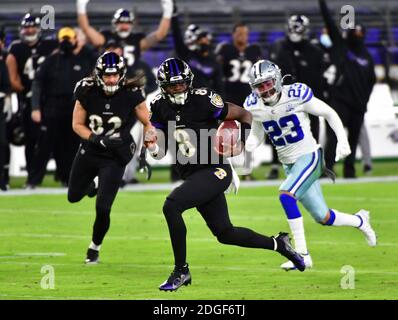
(81,6)
(168,8)
(342,150)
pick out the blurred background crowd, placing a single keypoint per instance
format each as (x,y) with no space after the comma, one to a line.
(220,40)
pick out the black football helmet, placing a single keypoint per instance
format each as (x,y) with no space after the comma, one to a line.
(29,21)
(107,64)
(174,71)
(297,27)
(192,34)
(122,16)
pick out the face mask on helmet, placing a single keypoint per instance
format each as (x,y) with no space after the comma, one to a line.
(29,29)
(110,72)
(267,91)
(297,28)
(177,92)
(265,79)
(122,23)
(175,80)
(123,32)
(28,36)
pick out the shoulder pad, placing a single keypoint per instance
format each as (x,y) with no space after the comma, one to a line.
(156,98)
(84,84)
(200,91)
(250,101)
(300,91)
(220,46)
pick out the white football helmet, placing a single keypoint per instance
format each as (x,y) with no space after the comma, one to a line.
(265,79)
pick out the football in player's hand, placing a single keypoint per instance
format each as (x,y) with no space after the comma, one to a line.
(227,136)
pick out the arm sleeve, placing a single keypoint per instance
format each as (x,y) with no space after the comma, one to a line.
(217,107)
(180,47)
(334,33)
(319,108)
(256,136)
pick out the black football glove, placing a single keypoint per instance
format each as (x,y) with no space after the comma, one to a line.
(105,141)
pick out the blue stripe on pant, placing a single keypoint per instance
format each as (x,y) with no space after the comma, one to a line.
(302,182)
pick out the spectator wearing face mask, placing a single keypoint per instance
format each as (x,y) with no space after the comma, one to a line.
(351,88)
(298,57)
(52,104)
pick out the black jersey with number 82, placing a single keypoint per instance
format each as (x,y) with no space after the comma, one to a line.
(111,116)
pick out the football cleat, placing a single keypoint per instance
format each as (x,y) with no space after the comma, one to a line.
(273,174)
(178,278)
(288,266)
(92,256)
(285,248)
(366,228)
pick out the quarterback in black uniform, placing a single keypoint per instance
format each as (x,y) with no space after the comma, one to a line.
(105,110)
(236,59)
(24,56)
(122,27)
(189,118)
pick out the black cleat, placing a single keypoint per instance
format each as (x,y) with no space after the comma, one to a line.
(178,278)
(273,174)
(92,256)
(286,250)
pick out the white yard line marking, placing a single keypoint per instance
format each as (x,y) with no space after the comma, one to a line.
(151,238)
(207,267)
(171,186)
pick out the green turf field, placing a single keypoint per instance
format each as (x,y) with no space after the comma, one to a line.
(45,230)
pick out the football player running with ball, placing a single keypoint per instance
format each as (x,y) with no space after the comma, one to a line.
(106,108)
(187,119)
(282,112)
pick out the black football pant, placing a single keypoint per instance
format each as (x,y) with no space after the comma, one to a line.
(56,139)
(31,130)
(3,147)
(204,189)
(352,119)
(84,169)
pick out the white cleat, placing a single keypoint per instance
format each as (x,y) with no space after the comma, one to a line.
(287,266)
(366,228)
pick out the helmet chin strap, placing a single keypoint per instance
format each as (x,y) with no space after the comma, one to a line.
(178,98)
(123,34)
(31,38)
(272,100)
(294,37)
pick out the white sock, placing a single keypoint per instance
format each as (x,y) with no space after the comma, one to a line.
(297,228)
(94,246)
(345,219)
